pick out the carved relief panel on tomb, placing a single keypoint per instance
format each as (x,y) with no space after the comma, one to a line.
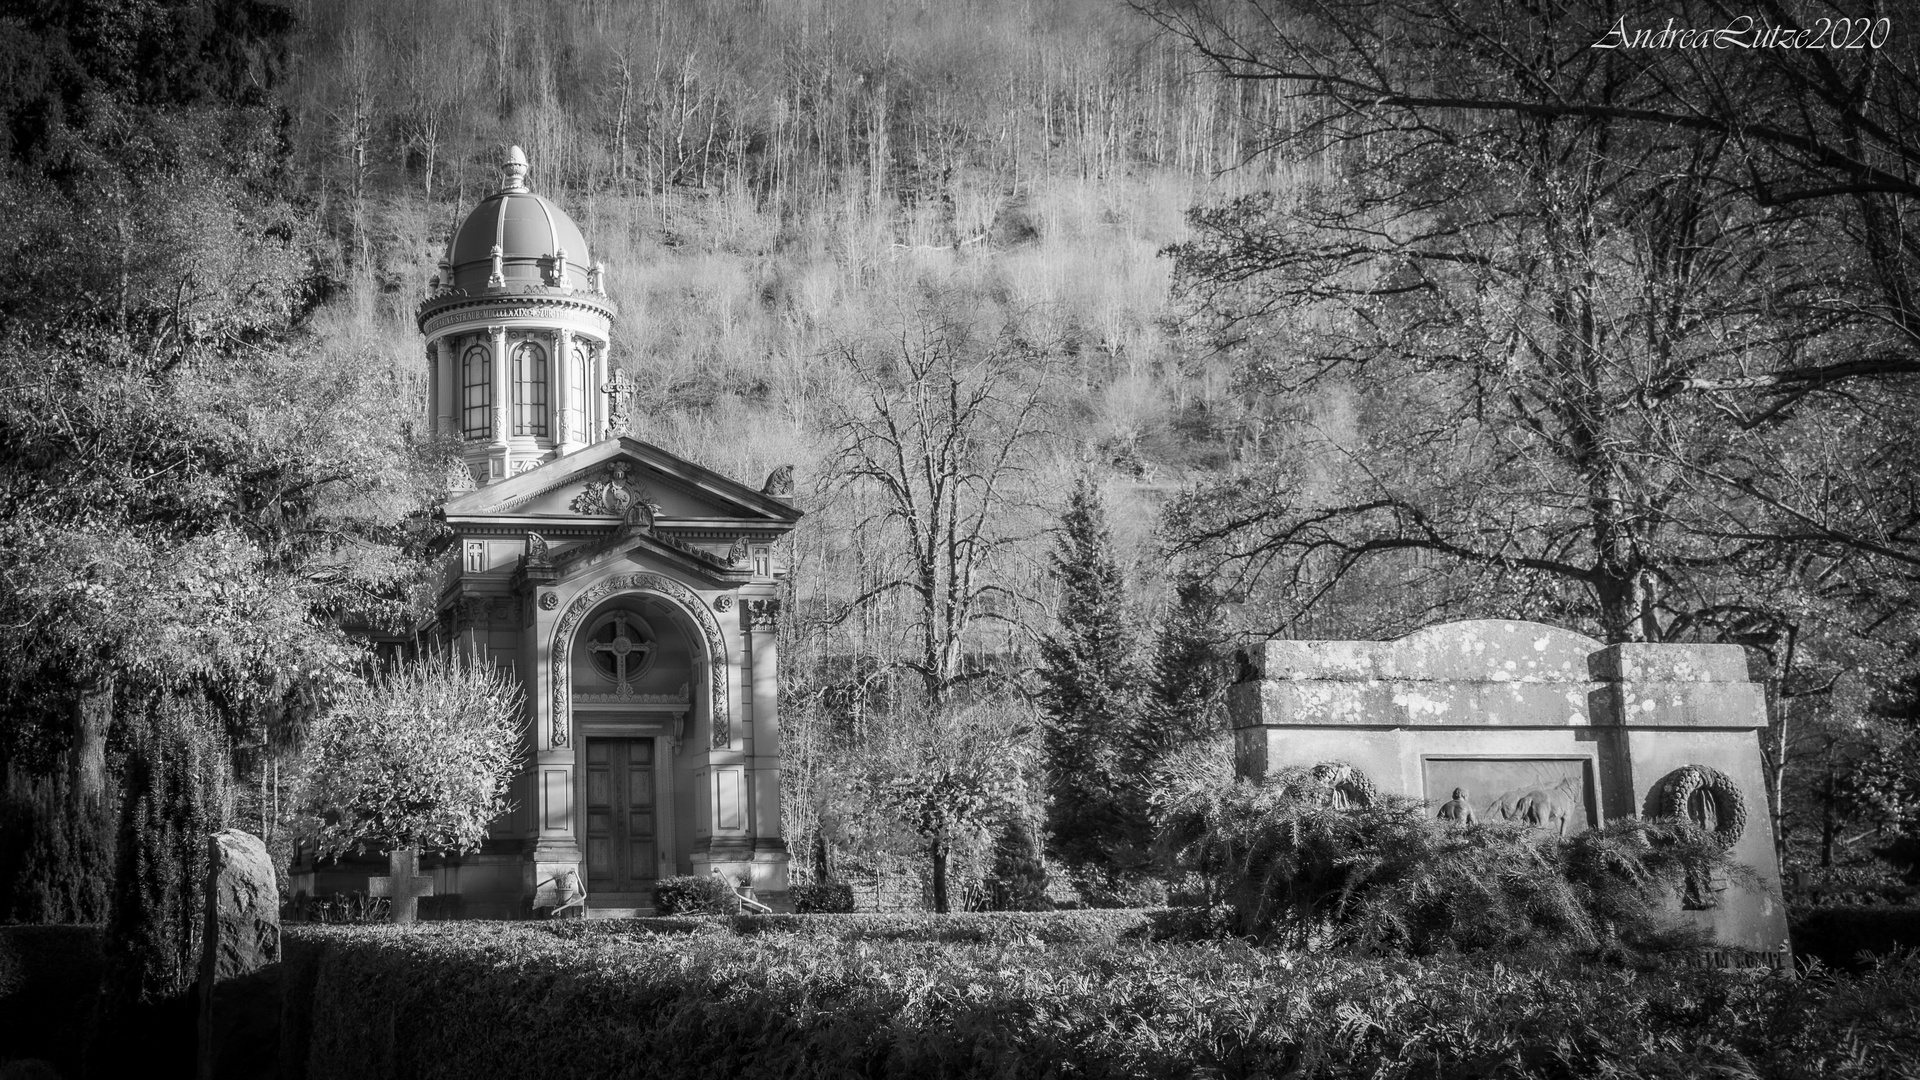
(1552,794)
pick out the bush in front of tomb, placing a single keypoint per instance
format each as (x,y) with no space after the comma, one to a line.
(694,894)
(1295,867)
(822,898)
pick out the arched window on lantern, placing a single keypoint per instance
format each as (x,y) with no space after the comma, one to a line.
(530,390)
(476,385)
(581,371)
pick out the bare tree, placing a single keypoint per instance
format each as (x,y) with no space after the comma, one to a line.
(1588,340)
(934,446)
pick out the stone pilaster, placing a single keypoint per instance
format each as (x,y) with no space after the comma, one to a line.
(596,400)
(566,437)
(445,387)
(499,463)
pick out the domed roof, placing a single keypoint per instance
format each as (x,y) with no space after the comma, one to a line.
(532,234)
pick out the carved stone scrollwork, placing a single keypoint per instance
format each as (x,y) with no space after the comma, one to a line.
(612,493)
(683,598)
(737,554)
(779,483)
(481,610)
(762,614)
(639,519)
(459,476)
(537,553)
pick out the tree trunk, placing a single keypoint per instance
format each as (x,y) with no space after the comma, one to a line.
(822,857)
(1829,827)
(87,758)
(940,877)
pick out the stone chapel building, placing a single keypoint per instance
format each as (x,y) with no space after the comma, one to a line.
(633,592)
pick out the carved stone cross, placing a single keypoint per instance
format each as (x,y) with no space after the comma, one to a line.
(619,390)
(402,868)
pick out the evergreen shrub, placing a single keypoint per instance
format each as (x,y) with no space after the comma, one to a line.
(56,853)
(822,897)
(429,1001)
(1296,868)
(1017,880)
(694,894)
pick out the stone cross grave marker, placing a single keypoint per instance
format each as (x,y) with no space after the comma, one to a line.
(403,884)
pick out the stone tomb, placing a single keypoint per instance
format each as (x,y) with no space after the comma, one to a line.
(1537,725)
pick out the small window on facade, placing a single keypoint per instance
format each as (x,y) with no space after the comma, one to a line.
(621,647)
(530,390)
(476,381)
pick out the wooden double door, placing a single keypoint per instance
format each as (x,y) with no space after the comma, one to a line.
(623,845)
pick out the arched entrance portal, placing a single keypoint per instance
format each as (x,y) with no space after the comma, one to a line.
(638,685)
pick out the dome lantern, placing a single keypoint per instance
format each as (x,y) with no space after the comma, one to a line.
(517,353)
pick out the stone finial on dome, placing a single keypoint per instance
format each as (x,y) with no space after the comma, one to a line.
(514,170)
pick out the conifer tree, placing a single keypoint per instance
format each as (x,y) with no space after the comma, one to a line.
(1187,686)
(175,780)
(1018,879)
(1090,697)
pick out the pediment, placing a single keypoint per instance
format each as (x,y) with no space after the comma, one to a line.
(599,483)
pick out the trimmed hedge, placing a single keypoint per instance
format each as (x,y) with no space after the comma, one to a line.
(459,1000)
(979,927)
(1838,936)
(49,979)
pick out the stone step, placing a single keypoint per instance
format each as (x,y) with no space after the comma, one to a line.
(595,911)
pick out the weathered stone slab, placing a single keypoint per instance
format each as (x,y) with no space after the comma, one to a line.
(1481,650)
(243,907)
(1645,662)
(241,933)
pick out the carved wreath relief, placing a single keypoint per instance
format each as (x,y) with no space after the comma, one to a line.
(569,624)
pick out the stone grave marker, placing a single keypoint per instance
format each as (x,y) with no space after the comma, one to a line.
(403,884)
(241,935)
